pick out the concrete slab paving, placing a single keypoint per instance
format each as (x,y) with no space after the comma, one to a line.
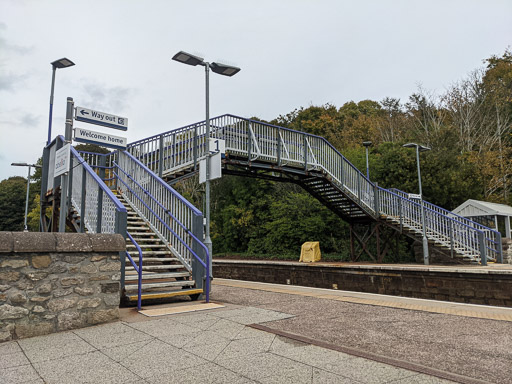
(20,374)
(15,360)
(111,335)
(92,367)
(157,358)
(54,346)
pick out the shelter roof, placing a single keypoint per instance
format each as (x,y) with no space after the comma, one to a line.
(471,208)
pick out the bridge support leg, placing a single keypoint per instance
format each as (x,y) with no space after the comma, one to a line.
(372,239)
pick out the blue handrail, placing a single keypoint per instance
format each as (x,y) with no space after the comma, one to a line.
(164,184)
(138,269)
(206,264)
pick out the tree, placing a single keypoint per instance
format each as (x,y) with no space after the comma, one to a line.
(12,203)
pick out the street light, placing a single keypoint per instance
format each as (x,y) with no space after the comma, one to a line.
(221,69)
(366,145)
(61,63)
(28,186)
(421,148)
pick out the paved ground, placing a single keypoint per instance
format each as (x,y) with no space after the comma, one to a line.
(330,341)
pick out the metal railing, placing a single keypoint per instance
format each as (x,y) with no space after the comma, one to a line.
(98,208)
(176,150)
(138,268)
(492,237)
(173,219)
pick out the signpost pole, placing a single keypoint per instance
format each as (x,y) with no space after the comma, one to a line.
(65,176)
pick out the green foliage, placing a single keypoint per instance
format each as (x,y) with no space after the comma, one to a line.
(94,148)
(296,217)
(12,203)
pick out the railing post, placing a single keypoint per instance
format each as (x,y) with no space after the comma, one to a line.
(499,256)
(198,272)
(376,200)
(278,148)
(99,212)
(121,229)
(305,144)
(481,243)
(401,214)
(451,238)
(102,164)
(83,198)
(359,188)
(173,150)
(70,182)
(249,142)
(161,157)
(195,149)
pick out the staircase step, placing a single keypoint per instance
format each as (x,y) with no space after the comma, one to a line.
(140,239)
(155,276)
(160,267)
(132,246)
(142,233)
(166,284)
(154,253)
(164,295)
(155,259)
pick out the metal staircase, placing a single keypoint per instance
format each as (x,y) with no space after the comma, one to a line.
(115,193)
(163,274)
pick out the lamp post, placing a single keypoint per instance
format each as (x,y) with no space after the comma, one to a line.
(61,63)
(366,145)
(28,187)
(421,148)
(221,69)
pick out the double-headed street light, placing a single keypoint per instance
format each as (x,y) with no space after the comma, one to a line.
(367,144)
(61,63)
(421,148)
(221,69)
(28,186)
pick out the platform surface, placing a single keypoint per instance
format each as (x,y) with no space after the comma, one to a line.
(275,334)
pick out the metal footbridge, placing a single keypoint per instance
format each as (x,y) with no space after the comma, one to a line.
(104,188)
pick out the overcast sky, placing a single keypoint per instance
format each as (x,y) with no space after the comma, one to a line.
(292,53)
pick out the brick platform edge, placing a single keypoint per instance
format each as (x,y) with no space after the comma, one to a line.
(457,284)
(51,282)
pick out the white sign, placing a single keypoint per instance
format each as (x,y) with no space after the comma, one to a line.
(215,168)
(217,145)
(101,118)
(103,139)
(414,196)
(62,157)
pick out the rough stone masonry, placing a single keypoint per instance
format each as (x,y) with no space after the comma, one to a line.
(51,282)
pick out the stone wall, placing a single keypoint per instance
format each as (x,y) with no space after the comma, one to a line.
(51,282)
(465,284)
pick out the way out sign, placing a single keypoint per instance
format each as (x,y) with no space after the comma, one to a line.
(101,118)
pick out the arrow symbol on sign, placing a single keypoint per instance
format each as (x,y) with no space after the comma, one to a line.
(84,112)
